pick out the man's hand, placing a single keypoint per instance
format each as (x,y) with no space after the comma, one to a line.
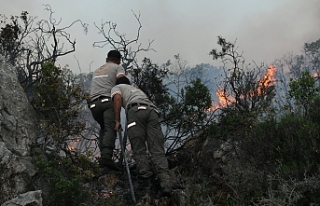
(117,101)
(117,126)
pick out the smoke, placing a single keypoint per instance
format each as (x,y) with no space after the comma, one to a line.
(267,36)
(264,30)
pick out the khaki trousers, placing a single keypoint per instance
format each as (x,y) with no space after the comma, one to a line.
(145,133)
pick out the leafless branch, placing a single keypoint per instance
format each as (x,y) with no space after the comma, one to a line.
(111,36)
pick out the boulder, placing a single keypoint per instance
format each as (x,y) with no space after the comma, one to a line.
(29,198)
(18,132)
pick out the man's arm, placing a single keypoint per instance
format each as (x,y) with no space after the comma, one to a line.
(117,102)
(120,75)
(120,72)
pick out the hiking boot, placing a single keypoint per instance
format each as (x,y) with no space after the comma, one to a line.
(108,163)
(145,185)
(166,192)
(106,170)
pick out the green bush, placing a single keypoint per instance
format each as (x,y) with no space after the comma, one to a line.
(64,179)
(315,110)
(299,145)
(58,101)
(292,143)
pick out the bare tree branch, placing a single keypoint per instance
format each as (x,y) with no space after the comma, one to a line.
(111,36)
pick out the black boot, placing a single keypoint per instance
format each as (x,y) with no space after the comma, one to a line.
(108,163)
(166,192)
(166,188)
(145,185)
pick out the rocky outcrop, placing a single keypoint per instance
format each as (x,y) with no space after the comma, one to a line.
(18,132)
(29,198)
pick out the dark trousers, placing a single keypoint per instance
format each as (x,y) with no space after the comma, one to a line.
(103,112)
(144,127)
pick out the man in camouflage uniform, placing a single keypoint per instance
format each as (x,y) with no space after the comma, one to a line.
(143,127)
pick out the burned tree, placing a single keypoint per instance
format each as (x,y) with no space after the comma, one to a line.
(244,89)
(246,96)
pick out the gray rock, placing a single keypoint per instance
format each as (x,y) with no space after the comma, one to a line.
(18,132)
(33,198)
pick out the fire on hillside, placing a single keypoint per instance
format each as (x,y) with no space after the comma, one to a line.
(266,81)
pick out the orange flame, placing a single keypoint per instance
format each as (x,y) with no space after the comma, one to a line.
(269,78)
(224,100)
(266,81)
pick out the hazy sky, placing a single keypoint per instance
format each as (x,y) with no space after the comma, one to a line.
(264,29)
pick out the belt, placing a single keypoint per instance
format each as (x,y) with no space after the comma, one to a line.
(138,104)
(101,97)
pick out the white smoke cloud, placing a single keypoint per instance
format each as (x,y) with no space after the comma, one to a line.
(265,30)
(270,35)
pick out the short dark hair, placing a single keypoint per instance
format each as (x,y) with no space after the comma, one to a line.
(114,54)
(122,80)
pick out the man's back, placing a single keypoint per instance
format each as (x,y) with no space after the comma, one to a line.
(130,94)
(104,78)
